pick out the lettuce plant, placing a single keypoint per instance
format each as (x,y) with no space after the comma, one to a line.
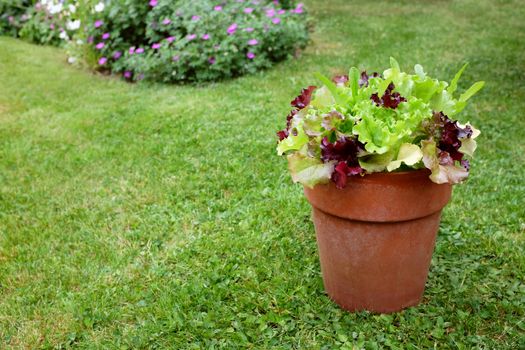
(364,123)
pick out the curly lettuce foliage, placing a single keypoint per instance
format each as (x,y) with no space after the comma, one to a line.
(363,123)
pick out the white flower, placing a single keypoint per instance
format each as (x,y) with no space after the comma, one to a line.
(73,25)
(54,9)
(71,60)
(72,8)
(63,35)
(99,7)
(79,42)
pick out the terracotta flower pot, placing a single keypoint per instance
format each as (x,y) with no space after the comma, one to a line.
(376,237)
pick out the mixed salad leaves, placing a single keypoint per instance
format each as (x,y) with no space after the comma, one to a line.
(364,123)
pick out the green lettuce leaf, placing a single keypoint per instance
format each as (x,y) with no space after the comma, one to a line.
(293,142)
(338,95)
(373,163)
(468,144)
(323,99)
(454,83)
(374,133)
(309,171)
(409,154)
(441,174)
(353,80)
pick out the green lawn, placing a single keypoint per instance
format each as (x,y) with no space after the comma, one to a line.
(151,216)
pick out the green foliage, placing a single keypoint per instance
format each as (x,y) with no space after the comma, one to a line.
(40,29)
(13,15)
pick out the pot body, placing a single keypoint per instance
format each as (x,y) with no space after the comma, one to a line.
(376,237)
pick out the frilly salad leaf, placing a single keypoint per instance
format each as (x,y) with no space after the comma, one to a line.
(374,162)
(362,123)
(309,171)
(323,99)
(338,95)
(409,154)
(468,144)
(443,168)
(293,142)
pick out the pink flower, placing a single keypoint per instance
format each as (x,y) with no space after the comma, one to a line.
(132,50)
(100,46)
(175,58)
(105,36)
(281,12)
(206,37)
(102,61)
(127,74)
(139,50)
(170,39)
(252,42)
(249,29)
(218,8)
(98,23)
(231,29)
(211,60)
(155,46)
(195,18)
(191,37)
(90,39)
(52,26)
(270,13)
(117,55)
(298,9)
(276,20)
(250,55)
(248,10)
(153,3)
(166,21)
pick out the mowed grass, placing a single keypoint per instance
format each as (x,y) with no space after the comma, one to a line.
(152,216)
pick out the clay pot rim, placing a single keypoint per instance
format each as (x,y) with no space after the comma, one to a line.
(406,173)
(381,177)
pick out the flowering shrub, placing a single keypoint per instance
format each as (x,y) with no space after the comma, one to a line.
(364,123)
(164,40)
(13,15)
(184,40)
(44,22)
(50,22)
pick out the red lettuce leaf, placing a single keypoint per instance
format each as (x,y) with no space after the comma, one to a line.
(451,133)
(340,79)
(344,151)
(304,98)
(363,81)
(389,99)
